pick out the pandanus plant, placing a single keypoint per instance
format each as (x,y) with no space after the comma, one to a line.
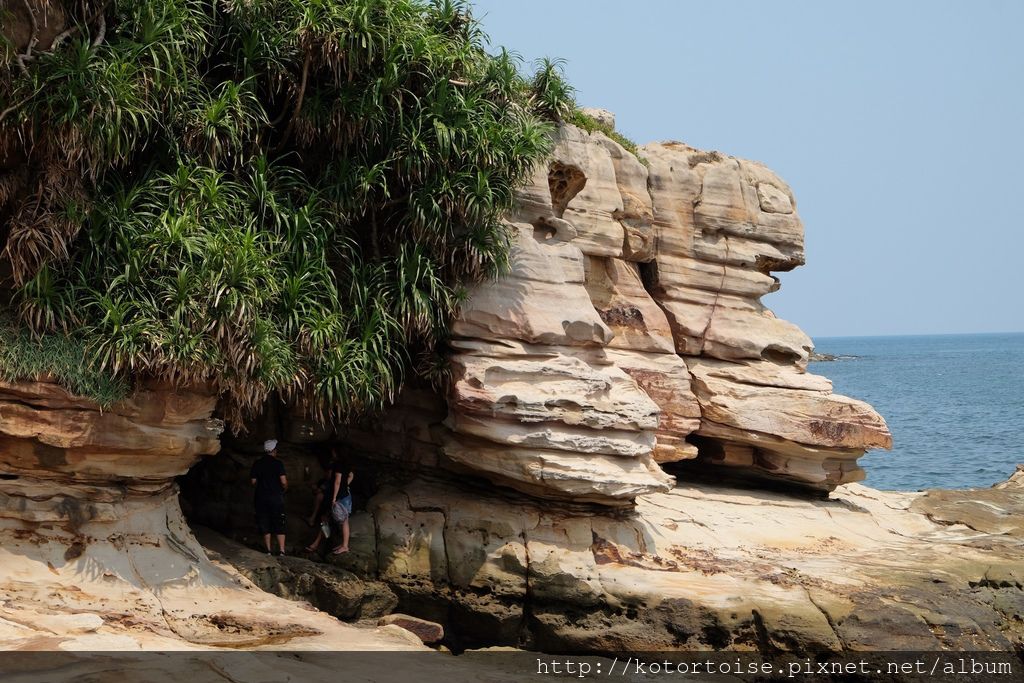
(274,198)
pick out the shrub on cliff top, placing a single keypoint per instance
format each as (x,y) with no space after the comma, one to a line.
(590,124)
(286,196)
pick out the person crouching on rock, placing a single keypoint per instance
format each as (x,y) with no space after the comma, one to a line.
(269,479)
(337,502)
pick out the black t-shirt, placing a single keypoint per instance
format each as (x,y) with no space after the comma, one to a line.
(267,471)
(334,470)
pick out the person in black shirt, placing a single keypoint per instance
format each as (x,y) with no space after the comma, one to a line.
(270,482)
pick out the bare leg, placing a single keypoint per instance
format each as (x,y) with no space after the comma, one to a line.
(280,543)
(312,547)
(266,541)
(343,548)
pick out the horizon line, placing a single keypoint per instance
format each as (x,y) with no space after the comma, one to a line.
(914,334)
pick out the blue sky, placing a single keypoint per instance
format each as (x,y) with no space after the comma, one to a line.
(898,125)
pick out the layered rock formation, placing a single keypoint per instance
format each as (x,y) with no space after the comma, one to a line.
(529,505)
(630,331)
(54,439)
(537,402)
(94,551)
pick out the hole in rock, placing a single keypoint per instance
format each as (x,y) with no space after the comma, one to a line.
(649,276)
(565,182)
(776,354)
(736,465)
(542,232)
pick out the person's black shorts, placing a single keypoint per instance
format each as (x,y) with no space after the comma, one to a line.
(325,507)
(270,516)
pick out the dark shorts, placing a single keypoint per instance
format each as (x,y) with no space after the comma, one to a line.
(270,517)
(325,507)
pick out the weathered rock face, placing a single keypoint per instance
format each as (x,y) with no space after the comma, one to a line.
(705,567)
(723,225)
(67,462)
(150,438)
(96,554)
(330,589)
(631,329)
(528,505)
(132,577)
(537,402)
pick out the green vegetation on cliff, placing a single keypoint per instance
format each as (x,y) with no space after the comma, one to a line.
(58,357)
(588,123)
(286,196)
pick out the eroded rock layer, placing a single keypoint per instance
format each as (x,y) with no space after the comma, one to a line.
(631,331)
(528,504)
(537,402)
(94,551)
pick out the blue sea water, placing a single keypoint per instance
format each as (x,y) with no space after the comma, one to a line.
(954,404)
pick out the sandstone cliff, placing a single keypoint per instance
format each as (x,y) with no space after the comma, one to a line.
(94,551)
(565,493)
(630,332)
(627,340)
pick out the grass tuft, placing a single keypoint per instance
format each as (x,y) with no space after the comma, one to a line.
(590,124)
(58,356)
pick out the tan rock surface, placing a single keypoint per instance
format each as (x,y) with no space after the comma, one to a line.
(797,428)
(666,380)
(661,266)
(156,434)
(716,247)
(584,191)
(619,297)
(541,300)
(637,214)
(536,403)
(428,632)
(141,582)
(708,566)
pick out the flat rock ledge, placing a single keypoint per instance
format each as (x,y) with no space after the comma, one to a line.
(706,567)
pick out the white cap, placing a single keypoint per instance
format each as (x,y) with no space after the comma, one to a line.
(269,445)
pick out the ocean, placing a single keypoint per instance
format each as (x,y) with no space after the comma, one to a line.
(954,404)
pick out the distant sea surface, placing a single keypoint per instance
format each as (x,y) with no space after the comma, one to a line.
(954,404)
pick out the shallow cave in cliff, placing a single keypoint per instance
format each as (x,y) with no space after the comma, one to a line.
(216,491)
(216,495)
(721,462)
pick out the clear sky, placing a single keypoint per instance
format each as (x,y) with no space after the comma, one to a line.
(898,125)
